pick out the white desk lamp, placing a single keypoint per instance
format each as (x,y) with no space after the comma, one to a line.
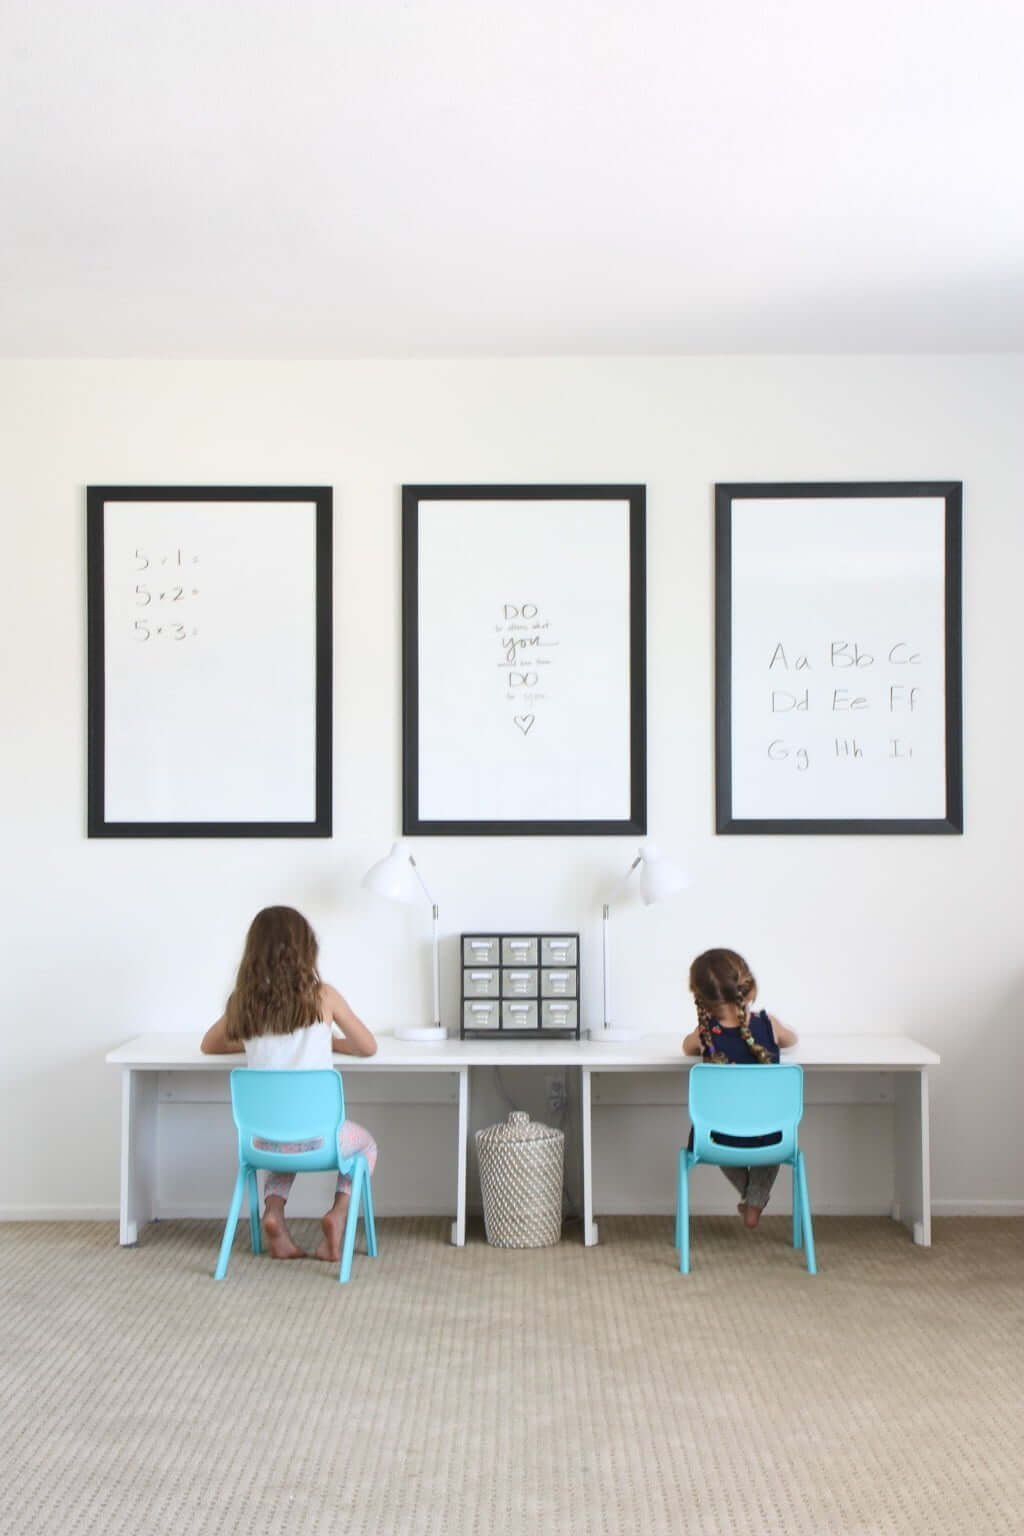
(660,878)
(397,878)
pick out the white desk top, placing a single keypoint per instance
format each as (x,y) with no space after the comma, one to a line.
(889,1053)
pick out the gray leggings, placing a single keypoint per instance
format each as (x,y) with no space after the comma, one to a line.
(754,1184)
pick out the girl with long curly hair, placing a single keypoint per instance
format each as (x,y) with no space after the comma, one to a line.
(283,1016)
(724,991)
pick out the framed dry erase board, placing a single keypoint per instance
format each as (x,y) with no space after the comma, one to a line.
(838,657)
(524,659)
(209,620)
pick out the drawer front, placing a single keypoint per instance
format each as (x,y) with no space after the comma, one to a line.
(516,1015)
(556,1014)
(481,1015)
(480,951)
(515,983)
(555,951)
(518,951)
(479,983)
(559,983)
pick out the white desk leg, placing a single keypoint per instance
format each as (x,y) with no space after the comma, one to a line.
(913,1156)
(138,1152)
(586,1161)
(459,1224)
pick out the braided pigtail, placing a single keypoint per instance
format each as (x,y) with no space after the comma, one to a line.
(709,1051)
(758,1052)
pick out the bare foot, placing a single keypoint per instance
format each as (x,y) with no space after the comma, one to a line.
(277,1237)
(751,1216)
(333,1223)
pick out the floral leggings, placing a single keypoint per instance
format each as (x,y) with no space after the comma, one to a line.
(351,1138)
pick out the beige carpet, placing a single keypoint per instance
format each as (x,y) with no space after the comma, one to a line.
(448,1393)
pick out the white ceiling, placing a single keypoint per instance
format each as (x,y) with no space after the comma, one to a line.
(297,178)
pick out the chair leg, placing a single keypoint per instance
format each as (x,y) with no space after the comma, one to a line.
(798,1236)
(684,1215)
(255,1237)
(679,1184)
(805,1211)
(369,1224)
(229,1227)
(351,1222)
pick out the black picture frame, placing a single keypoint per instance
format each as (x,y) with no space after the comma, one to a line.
(635,819)
(726,497)
(99,824)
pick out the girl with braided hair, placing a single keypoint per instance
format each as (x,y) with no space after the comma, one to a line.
(284,1016)
(724,991)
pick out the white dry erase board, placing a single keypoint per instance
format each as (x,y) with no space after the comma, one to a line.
(838,657)
(209,661)
(524,659)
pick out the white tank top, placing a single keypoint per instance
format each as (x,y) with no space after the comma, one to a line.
(308,1048)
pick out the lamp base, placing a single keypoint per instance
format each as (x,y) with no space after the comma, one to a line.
(614,1034)
(426,1035)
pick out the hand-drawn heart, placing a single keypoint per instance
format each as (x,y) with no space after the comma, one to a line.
(524,722)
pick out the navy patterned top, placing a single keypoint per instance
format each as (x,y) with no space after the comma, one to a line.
(732,1044)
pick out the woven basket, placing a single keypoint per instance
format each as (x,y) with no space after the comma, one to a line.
(521,1167)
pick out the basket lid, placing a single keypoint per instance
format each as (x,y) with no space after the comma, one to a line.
(518,1127)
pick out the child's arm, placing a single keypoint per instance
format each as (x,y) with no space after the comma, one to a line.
(783,1036)
(216,1043)
(692,1045)
(356,1039)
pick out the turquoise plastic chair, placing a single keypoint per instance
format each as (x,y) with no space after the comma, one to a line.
(729,1106)
(292,1107)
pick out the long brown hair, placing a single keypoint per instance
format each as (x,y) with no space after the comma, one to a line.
(722,977)
(277,990)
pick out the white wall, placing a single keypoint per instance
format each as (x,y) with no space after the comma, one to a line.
(104,939)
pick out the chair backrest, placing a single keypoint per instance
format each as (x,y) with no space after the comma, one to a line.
(741,1103)
(286,1107)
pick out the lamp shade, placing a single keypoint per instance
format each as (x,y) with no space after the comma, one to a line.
(660,876)
(394,877)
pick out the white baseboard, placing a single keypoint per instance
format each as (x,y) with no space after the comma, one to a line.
(978,1207)
(59,1213)
(1005,1208)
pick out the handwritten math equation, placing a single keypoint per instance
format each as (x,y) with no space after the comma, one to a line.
(523,634)
(166,588)
(837,691)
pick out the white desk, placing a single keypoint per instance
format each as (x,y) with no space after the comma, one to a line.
(144,1059)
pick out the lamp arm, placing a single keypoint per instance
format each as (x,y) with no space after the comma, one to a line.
(605,944)
(435,961)
(620,884)
(419,877)
(437,972)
